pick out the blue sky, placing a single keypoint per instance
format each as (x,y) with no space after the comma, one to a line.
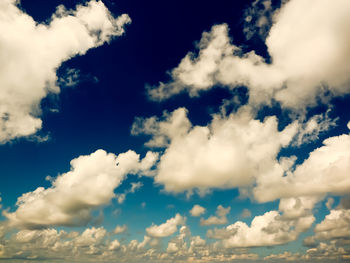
(157,131)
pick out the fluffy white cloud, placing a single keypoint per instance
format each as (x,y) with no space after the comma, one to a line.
(172,248)
(89,184)
(272,228)
(197,210)
(220,219)
(327,165)
(230,152)
(336,225)
(31,53)
(166,229)
(267,230)
(308,52)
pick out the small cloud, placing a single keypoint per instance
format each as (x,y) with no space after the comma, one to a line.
(121,198)
(197,210)
(120,229)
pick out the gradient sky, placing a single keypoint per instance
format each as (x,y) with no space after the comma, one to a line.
(174,131)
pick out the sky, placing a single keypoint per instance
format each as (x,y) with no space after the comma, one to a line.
(174,131)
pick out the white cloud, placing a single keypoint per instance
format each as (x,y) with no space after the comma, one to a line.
(115,245)
(327,165)
(197,210)
(230,152)
(267,230)
(32,52)
(166,229)
(172,248)
(220,219)
(335,225)
(287,256)
(327,251)
(308,52)
(272,228)
(89,184)
(309,131)
(120,229)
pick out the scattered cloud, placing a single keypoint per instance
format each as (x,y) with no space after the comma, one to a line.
(120,229)
(197,210)
(219,219)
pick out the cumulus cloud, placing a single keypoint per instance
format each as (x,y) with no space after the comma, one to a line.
(89,184)
(32,52)
(197,210)
(219,219)
(267,230)
(232,151)
(272,228)
(308,52)
(335,225)
(166,229)
(327,165)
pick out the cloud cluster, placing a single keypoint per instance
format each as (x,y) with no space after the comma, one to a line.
(89,184)
(304,65)
(32,52)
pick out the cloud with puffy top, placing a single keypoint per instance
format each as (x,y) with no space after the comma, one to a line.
(37,50)
(166,229)
(314,64)
(88,185)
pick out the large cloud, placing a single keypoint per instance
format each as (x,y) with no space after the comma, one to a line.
(232,151)
(89,184)
(309,52)
(31,53)
(328,165)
